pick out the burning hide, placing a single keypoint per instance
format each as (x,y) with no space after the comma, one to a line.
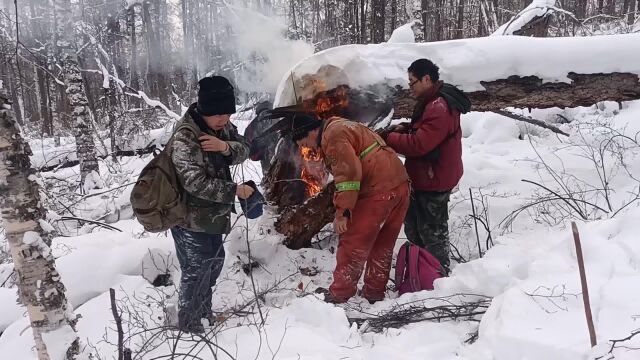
(297,182)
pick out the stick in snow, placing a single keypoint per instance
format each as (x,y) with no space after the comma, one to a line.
(583,281)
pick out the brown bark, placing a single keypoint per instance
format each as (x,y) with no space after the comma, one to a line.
(283,186)
(301,223)
(532,92)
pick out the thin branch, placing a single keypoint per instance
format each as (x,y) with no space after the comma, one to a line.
(564,199)
(106,226)
(529,120)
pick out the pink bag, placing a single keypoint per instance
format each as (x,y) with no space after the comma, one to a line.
(416,269)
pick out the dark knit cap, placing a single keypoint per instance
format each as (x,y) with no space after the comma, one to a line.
(216,96)
(302,124)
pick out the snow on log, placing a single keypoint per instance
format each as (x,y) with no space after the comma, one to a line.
(526,21)
(497,71)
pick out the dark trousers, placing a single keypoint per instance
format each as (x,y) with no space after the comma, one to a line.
(426,224)
(201,257)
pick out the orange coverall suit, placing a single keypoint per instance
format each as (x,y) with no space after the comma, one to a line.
(372,186)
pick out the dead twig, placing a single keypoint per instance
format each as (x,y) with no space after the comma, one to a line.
(475,221)
(405,314)
(615,342)
(118,319)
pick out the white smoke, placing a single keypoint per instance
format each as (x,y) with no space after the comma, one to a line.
(263,49)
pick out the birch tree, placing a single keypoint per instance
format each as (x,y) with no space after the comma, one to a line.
(40,288)
(76,94)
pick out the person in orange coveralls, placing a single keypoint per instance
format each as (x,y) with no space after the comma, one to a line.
(371,200)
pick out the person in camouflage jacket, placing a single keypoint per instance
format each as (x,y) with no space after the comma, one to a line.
(205,145)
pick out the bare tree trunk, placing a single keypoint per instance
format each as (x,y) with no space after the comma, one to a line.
(394,14)
(611,7)
(363,22)
(377,21)
(39,286)
(418,27)
(136,82)
(424,17)
(460,25)
(630,9)
(438,10)
(76,95)
(41,90)
(15,93)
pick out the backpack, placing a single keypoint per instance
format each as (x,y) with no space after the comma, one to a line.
(157,198)
(416,269)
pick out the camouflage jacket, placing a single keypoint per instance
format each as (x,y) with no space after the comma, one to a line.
(206,177)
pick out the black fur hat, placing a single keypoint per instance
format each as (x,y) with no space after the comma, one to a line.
(216,96)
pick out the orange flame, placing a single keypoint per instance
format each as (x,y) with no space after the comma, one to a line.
(325,104)
(329,103)
(312,171)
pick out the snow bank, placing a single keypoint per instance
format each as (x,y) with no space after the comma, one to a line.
(10,309)
(466,62)
(403,34)
(535,9)
(531,272)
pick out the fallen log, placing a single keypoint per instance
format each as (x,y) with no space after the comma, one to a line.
(282,183)
(299,221)
(533,92)
(299,224)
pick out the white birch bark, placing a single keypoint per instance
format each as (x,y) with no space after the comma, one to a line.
(40,288)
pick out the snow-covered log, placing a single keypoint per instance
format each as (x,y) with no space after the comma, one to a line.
(497,71)
(533,92)
(531,21)
(40,288)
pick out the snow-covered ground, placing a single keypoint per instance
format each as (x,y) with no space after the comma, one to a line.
(530,272)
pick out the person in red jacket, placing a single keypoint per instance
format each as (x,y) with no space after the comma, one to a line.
(432,146)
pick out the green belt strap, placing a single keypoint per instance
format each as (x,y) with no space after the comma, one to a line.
(369,149)
(348,186)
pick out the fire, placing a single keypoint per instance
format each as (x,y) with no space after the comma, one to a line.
(325,104)
(313,172)
(329,103)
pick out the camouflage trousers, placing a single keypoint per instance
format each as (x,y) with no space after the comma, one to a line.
(201,257)
(426,223)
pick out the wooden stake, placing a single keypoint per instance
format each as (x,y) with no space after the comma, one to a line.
(583,281)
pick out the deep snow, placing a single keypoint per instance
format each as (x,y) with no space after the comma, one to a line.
(530,272)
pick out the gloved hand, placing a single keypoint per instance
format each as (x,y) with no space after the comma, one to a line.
(383,133)
(401,128)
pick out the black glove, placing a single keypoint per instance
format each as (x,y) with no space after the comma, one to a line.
(383,133)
